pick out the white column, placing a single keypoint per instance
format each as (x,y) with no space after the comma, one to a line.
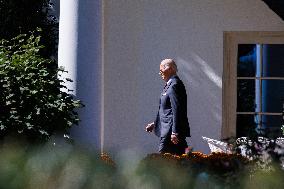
(80,53)
(68,40)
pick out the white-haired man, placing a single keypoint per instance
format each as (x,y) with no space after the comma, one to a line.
(171,123)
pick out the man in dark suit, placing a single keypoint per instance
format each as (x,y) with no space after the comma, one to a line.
(171,123)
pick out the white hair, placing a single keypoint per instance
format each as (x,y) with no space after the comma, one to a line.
(170,63)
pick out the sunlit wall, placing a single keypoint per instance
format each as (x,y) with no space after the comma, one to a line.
(135,36)
(139,34)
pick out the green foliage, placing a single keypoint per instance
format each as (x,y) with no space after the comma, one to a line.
(48,166)
(66,166)
(31,102)
(196,170)
(23,16)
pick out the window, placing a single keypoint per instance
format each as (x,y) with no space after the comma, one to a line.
(253,83)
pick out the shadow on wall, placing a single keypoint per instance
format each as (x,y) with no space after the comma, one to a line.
(205,85)
(88,73)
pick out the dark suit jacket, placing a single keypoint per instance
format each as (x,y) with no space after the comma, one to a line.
(172,114)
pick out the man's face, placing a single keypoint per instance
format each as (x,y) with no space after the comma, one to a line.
(165,72)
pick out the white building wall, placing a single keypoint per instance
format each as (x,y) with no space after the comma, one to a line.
(138,34)
(113,54)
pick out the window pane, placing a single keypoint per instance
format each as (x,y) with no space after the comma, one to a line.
(246,95)
(246,60)
(272,125)
(245,125)
(272,95)
(267,125)
(273,60)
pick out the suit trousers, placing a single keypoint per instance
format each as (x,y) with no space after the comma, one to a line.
(167,146)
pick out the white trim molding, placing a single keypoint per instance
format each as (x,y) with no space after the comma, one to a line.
(229,94)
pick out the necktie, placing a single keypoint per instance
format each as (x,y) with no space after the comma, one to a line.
(165,86)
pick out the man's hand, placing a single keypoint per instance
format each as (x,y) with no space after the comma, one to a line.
(174,138)
(149,128)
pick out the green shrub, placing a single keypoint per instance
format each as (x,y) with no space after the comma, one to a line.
(71,166)
(31,102)
(48,166)
(22,16)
